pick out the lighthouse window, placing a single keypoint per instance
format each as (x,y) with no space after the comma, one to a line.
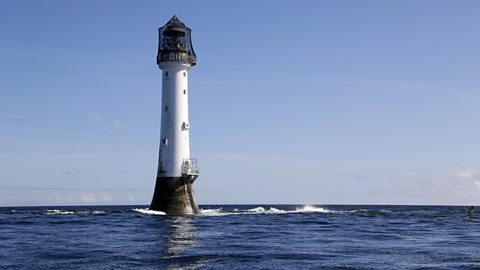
(166,73)
(184,74)
(184,91)
(166,108)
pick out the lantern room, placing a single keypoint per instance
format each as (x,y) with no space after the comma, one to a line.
(175,43)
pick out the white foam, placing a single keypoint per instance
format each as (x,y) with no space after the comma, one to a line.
(59,212)
(147,211)
(256,210)
(98,212)
(273,210)
(252,211)
(372,211)
(313,209)
(262,210)
(213,212)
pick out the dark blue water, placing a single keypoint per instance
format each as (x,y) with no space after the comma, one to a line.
(240,237)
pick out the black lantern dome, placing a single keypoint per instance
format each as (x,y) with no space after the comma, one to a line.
(175,43)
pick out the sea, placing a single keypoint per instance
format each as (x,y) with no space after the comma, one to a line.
(240,237)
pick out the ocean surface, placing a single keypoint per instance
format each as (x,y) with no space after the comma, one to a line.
(240,237)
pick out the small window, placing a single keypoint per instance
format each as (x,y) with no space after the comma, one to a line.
(166,108)
(164,142)
(184,74)
(166,73)
(184,91)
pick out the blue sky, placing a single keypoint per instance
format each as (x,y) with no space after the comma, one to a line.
(303,102)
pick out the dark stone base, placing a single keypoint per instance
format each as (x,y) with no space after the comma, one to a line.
(174,196)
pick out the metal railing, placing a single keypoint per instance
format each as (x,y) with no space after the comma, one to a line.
(189,166)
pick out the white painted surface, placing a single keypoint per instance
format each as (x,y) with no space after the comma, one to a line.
(175,123)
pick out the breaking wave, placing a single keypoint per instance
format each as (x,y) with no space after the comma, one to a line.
(211,212)
(222,210)
(59,212)
(314,209)
(147,211)
(263,210)
(69,212)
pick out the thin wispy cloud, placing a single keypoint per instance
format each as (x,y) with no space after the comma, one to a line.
(92,198)
(116,123)
(83,198)
(71,172)
(96,118)
(470,176)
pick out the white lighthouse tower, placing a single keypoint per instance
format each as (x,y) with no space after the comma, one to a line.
(176,169)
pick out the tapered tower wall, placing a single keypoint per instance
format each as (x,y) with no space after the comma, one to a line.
(175,125)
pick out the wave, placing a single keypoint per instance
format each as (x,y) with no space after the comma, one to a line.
(221,210)
(211,212)
(59,212)
(147,211)
(273,210)
(314,209)
(256,210)
(372,212)
(262,210)
(68,212)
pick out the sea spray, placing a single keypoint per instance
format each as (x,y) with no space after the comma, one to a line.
(147,211)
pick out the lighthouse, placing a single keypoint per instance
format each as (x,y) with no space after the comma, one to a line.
(176,169)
